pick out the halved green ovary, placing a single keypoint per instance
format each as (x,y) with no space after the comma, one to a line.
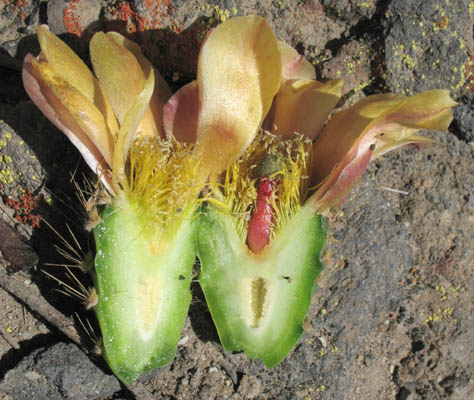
(143,282)
(259,302)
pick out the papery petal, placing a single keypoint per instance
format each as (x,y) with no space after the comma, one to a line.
(129,129)
(162,91)
(304,106)
(123,79)
(180,114)
(66,108)
(68,66)
(239,71)
(294,65)
(385,144)
(368,129)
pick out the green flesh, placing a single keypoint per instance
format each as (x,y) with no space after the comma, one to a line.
(259,302)
(143,282)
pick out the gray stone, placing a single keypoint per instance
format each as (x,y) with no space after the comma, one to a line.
(58,372)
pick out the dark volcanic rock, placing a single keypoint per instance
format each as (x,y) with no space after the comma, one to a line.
(463,123)
(427,45)
(15,248)
(349,10)
(370,254)
(59,372)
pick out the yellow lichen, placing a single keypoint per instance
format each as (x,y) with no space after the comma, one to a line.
(6,176)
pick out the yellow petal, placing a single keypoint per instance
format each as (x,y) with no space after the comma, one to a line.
(66,108)
(304,106)
(294,65)
(69,67)
(368,129)
(129,129)
(66,63)
(239,71)
(162,92)
(122,78)
(429,110)
(385,144)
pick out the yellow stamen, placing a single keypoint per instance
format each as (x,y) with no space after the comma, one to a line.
(161,181)
(239,191)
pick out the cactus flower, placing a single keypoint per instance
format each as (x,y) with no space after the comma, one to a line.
(145,230)
(262,230)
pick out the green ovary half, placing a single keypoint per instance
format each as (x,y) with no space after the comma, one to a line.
(259,301)
(143,275)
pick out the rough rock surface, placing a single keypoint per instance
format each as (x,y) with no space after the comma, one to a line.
(59,372)
(464,118)
(428,45)
(394,314)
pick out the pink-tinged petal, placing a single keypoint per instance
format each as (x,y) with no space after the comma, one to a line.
(339,136)
(180,114)
(87,117)
(239,72)
(294,65)
(69,67)
(123,79)
(371,127)
(304,106)
(59,114)
(337,186)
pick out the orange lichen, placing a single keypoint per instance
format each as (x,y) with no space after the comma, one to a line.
(18,6)
(70,20)
(177,28)
(135,22)
(443,23)
(24,208)
(469,74)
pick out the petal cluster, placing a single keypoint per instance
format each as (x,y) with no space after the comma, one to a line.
(247,80)
(100,116)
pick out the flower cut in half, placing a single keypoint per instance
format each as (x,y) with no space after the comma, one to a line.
(145,230)
(262,229)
